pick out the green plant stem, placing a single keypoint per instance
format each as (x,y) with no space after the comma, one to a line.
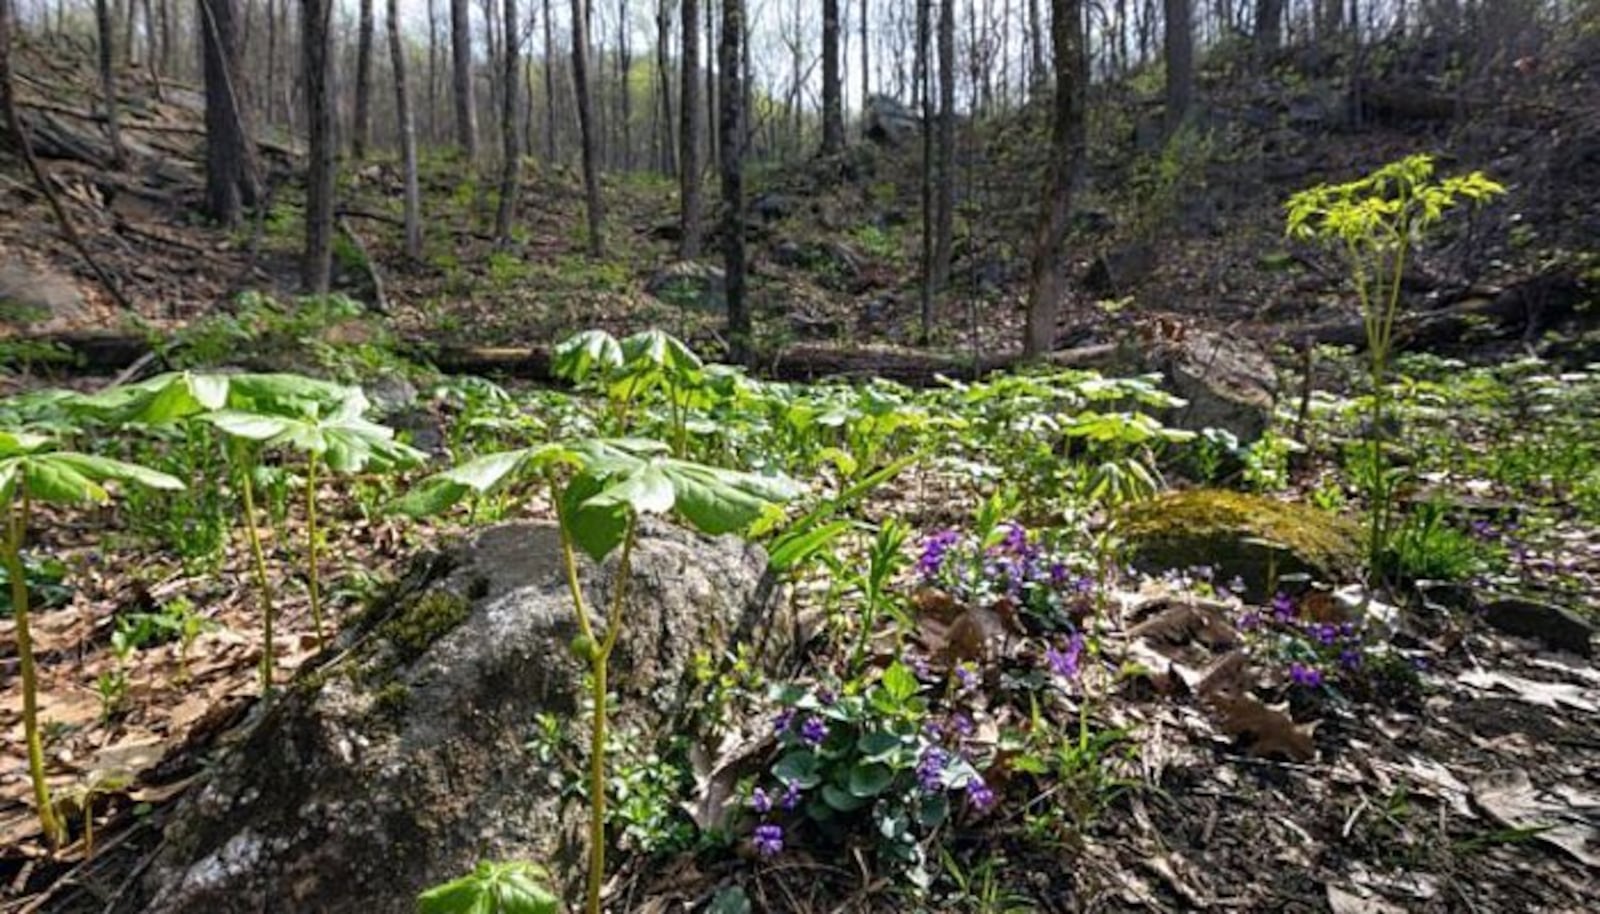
(311,546)
(16,526)
(247,492)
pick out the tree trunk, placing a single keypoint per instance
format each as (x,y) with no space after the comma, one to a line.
(731,138)
(586,126)
(689,132)
(550,149)
(866,56)
(461,77)
(108,82)
(1036,68)
(667,161)
(1066,142)
(1269,24)
(361,129)
(832,86)
(316,39)
(624,90)
(511,168)
(226,155)
(408,136)
(1180,62)
(925,98)
(944,214)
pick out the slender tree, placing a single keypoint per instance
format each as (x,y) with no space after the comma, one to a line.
(924,41)
(1066,148)
(587,127)
(731,137)
(461,78)
(1180,61)
(666,158)
(550,148)
(361,126)
(316,41)
(832,85)
(944,210)
(227,157)
(689,132)
(866,55)
(408,136)
(1269,24)
(108,82)
(511,168)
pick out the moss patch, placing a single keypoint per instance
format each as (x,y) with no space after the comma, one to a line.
(423,619)
(1229,532)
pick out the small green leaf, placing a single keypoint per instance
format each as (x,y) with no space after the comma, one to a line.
(869,780)
(900,682)
(799,768)
(840,799)
(493,888)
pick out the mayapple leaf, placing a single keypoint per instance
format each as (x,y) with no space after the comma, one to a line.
(48,479)
(248,425)
(493,888)
(164,398)
(106,468)
(293,395)
(587,353)
(718,501)
(645,490)
(14,443)
(597,529)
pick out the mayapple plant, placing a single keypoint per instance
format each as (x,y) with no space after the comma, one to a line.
(600,488)
(633,367)
(33,469)
(1374,222)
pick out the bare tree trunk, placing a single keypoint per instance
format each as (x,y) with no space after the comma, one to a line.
(689,132)
(1066,141)
(944,213)
(925,97)
(408,136)
(511,168)
(832,86)
(361,129)
(316,38)
(586,126)
(668,154)
(1269,24)
(461,77)
(713,115)
(108,82)
(1180,62)
(550,149)
(731,135)
(624,89)
(1036,68)
(226,154)
(431,100)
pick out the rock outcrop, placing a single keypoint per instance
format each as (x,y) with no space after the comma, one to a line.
(402,759)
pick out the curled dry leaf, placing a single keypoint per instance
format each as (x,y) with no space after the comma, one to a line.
(1564,820)
(1265,730)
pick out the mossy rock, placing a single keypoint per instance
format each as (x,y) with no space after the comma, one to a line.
(1230,532)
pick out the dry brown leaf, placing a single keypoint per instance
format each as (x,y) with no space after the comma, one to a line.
(1268,731)
(1566,822)
(1552,695)
(1343,902)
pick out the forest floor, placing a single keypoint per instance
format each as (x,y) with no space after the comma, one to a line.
(1474,789)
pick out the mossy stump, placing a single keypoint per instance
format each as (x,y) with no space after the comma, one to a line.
(1239,535)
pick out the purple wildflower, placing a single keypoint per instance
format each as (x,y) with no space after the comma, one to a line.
(916,663)
(1326,633)
(781,723)
(791,797)
(1282,606)
(760,802)
(934,549)
(930,769)
(979,795)
(1064,663)
(1250,621)
(1350,658)
(1084,585)
(826,696)
(1016,541)
(1059,574)
(1307,676)
(967,677)
(769,840)
(962,724)
(813,731)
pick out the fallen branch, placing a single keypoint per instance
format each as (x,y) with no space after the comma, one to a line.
(380,302)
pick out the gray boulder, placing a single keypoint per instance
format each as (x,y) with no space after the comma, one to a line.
(1229,381)
(32,294)
(401,761)
(889,123)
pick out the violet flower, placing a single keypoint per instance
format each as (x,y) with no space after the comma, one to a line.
(1064,663)
(930,769)
(1308,676)
(760,802)
(979,795)
(769,840)
(813,731)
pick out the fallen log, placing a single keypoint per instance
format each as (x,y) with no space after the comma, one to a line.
(1523,310)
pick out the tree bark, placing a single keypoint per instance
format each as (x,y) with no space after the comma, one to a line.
(866,56)
(1269,24)
(832,86)
(667,160)
(226,155)
(1036,41)
(731,135)
(461,78)
(361,127)
(689,133)
(1180,62)
(316,39)
(586,127)
(511,168)
(408,136)
(925,97)
(944,211)
(108,82)
(550,148)
(1066,142)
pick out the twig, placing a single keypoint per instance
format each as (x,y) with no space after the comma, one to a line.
(380,301)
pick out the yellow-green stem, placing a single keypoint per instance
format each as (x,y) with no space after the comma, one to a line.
(247,491)
(16,525)
(311,546)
